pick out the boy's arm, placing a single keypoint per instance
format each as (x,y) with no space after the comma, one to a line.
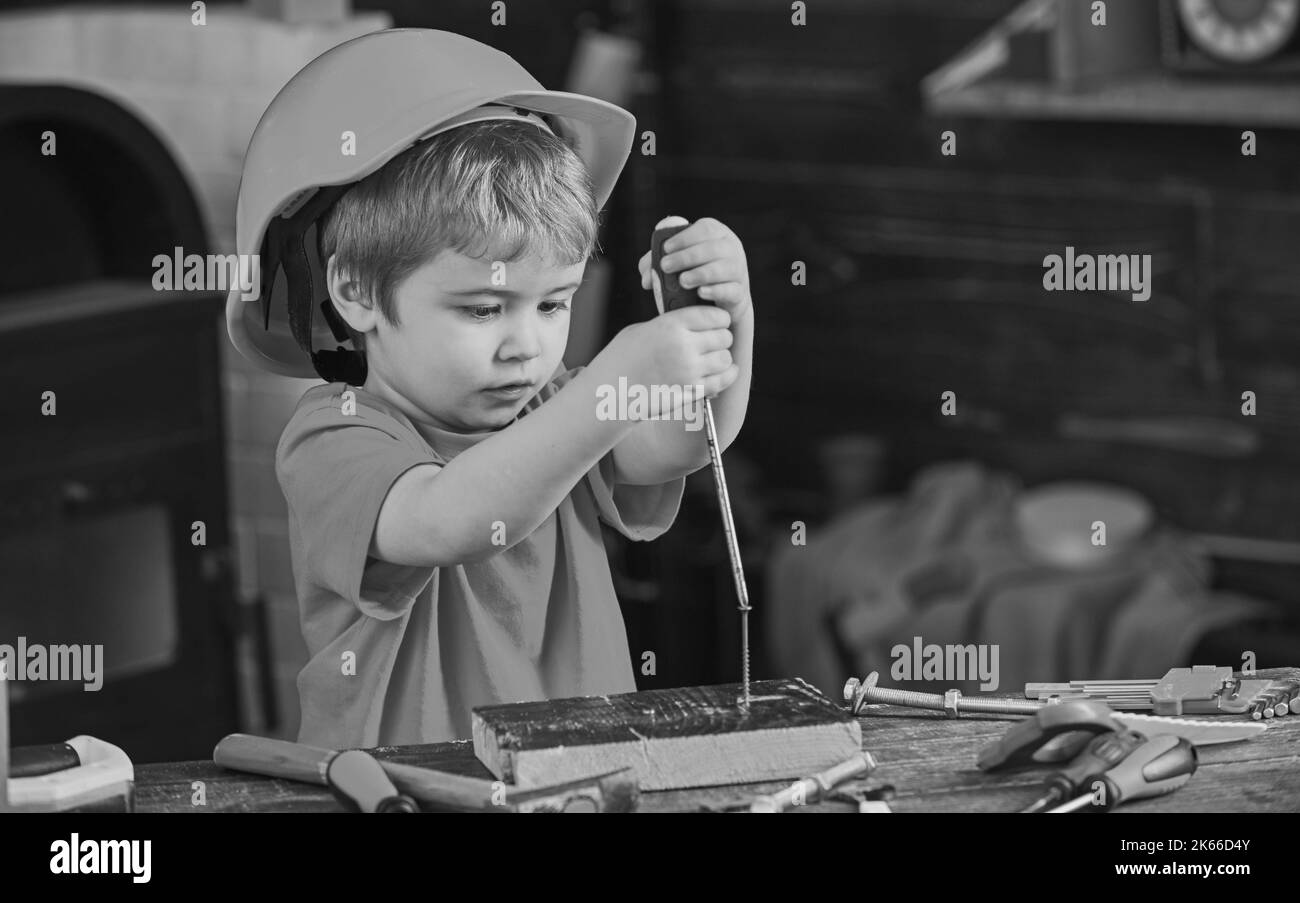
(656,451)
(439,516)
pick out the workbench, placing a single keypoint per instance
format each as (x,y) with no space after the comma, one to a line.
(930,760)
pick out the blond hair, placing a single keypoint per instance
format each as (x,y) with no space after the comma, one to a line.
(499,186)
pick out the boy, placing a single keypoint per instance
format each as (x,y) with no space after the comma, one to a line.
(445,485)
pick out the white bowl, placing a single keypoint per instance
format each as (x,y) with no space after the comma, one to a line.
(1056,521)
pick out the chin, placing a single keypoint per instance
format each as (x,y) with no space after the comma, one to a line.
(495,420)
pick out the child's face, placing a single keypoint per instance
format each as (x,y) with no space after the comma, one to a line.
(463,333)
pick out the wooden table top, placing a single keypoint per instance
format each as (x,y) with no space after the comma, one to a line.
(928,758)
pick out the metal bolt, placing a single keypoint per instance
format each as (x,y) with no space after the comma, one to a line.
(1291,697)
(1275,700)
(1271,700)
(860,692)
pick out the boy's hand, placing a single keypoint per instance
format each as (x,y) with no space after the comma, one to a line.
(711,259)
(685,348)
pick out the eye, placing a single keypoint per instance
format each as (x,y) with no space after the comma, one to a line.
(555,307)
(481,312)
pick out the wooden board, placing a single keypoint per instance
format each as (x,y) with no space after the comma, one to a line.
(688,737)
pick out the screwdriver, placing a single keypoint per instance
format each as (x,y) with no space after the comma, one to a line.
(1161,765)
(1102,753)
(670,294)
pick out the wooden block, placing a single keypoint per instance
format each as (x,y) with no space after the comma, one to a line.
(687,737)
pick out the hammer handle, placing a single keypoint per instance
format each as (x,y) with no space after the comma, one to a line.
(615,791)
(353,775)
(274,758)
(297,762)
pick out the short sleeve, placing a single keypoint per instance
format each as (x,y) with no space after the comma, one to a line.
(638,512)
(335,470)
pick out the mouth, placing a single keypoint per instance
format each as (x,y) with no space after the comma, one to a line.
(510,389)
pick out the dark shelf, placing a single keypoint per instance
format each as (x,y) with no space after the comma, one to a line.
(1154,97)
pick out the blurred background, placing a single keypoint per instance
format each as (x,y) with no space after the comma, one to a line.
(931,439)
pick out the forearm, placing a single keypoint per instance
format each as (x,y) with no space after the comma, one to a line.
(685,451)
(521,474)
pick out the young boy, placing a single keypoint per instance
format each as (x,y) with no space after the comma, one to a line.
(445,485)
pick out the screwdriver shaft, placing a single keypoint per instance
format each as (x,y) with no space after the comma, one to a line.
(733,547)
(1073,805)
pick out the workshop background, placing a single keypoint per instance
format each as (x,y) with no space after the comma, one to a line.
(871,506)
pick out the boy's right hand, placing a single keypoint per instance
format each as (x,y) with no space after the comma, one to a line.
(686,348)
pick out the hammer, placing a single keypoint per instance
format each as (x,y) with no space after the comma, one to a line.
(363,782)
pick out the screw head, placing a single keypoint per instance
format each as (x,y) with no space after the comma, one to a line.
(851,689)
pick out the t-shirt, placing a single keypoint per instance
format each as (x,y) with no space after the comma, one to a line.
(401,654)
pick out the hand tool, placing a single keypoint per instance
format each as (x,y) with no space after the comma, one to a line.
(858,693)
(1160,765)
(1102,753)
(1201,689)
(1057,733)
(670,295)
(615,791)
(815,788)
(83,775)
(355,778)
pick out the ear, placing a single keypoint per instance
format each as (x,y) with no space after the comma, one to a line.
(348,298)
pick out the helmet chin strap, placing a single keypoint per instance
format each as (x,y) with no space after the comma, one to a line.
(285,246)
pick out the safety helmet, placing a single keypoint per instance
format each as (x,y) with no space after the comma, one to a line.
(391,89)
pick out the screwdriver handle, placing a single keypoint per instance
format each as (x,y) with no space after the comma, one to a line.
(1102,754)
(1161,765)
(669,293)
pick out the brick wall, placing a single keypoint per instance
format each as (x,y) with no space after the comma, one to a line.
(202,89)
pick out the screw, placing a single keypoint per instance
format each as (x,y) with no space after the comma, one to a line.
(859,692)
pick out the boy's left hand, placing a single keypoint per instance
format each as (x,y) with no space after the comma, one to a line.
(710,258)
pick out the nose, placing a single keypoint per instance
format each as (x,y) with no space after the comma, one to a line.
(522,341)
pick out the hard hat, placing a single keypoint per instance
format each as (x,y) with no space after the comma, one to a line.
(391,89)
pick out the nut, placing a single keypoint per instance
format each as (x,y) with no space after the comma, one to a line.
(951,700)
